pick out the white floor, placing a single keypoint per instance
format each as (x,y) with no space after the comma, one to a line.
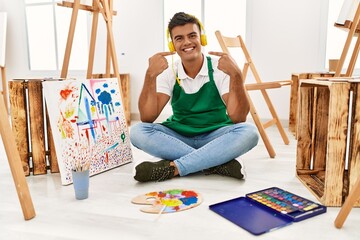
(109,214)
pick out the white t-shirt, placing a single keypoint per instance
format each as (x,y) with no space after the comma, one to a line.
(166,80)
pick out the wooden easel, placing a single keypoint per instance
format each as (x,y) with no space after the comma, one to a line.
(354,195)
(98,6)
(354,30)
(15,163)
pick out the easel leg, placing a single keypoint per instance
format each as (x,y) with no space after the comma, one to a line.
(353,58)
(15,164)
(70,39)
(95,21)
(348,43)
(349,203)
(108,49)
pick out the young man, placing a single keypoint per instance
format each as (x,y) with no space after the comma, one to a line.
(207,130)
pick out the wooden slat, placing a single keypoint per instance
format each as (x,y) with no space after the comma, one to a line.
(36,115)
(313,184)
(320,128)
(294,101)
(19,121)
(125,87)
(354,156)
(337,136)
(304,131)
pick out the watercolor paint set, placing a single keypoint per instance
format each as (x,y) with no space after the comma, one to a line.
(268,209)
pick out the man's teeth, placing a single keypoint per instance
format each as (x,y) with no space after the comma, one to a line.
(188,49)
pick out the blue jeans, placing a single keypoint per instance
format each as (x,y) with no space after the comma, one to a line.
(194,154)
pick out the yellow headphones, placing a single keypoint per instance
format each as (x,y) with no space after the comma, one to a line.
(203,39)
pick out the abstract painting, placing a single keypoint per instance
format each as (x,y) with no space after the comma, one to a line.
(88,125)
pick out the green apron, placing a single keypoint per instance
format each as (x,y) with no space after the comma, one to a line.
(200,112)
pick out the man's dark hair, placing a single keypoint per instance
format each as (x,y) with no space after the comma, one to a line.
(180,19)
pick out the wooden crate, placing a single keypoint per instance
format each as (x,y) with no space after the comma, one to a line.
(294,95)
(327,160)
(31,127)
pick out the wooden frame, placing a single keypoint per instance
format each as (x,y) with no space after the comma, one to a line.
(237,42)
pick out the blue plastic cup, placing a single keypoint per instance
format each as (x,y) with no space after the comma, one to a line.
(81,184)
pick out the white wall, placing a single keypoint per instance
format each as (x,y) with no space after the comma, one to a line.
(283,37)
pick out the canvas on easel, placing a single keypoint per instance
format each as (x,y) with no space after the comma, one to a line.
(347,11)
(349,20)
(88,125)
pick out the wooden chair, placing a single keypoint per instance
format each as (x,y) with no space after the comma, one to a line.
(237,42)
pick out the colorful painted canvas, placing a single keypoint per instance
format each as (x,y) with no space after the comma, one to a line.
(88,125)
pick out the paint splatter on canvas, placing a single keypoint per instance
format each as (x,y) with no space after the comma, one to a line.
(88,125)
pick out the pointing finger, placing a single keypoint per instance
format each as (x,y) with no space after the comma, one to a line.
(219,54)
(164,54)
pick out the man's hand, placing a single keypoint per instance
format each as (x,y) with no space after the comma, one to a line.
(158,63)
(237,103)
(227,64)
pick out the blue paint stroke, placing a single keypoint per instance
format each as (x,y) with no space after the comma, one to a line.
(88,113)
(110,148)
(99,108)
(105,108)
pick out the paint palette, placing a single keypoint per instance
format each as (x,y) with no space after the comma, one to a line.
(169,201)
(266,210)
(283,201)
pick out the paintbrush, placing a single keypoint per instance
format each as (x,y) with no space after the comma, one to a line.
(160,213)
